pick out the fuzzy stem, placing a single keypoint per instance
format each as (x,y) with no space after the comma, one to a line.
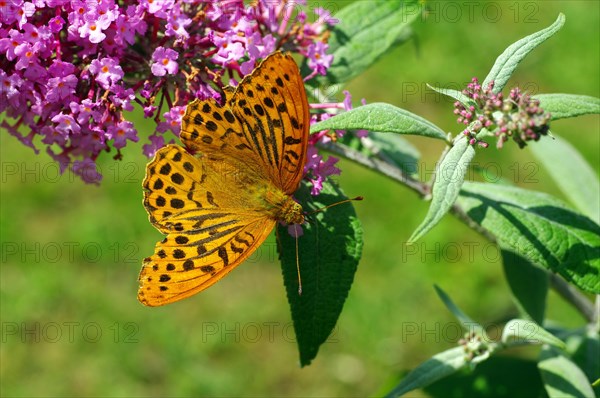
(573,296)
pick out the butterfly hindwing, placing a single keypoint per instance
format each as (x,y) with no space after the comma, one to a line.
(212,223)
(187,262)
(263,120)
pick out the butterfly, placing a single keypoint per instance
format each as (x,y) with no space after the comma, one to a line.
(218,199)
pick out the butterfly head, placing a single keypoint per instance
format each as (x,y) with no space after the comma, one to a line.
(293,213)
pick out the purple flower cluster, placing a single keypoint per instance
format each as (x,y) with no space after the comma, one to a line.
(71,69)
(519,116)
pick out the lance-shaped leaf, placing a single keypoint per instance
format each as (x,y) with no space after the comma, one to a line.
(573,175)
(329,251)
(366,30)
(562,378)
(538,227)
(449,178)
(508,61)
(562,106)
(383,118)
(467,323)
(528,283)
(457,95)
(435,368)
(499,376)
(529,331)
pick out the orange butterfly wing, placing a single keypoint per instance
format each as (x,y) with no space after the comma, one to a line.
(213,207)
(208,230)
(264,121)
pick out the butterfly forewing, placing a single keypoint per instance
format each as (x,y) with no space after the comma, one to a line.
(177,182)
(264,120)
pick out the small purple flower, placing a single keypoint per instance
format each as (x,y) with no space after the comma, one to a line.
(229,48)
(87,170)
(9,86)
(93,29)
(9,45)
(124,31)
(247,67)
(325,16)
(158,7)
(56,24)
(91,140)
(36,73)
(164,61)
(107,71)
(53,136)
(61,69)
(60,88)
(260,46)
(173,119)
(347,100)
(318,59)
(25,11)
(85,110)
(176,26)
(318,170)
(27,55)
(66,124)
(122,98)
(347,104)
(122,132)
(149,110)
(33,35)
(156,142)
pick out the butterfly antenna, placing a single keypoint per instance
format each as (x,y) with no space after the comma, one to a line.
(298,268)
(335,204)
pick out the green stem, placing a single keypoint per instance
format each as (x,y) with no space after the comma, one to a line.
(573,296)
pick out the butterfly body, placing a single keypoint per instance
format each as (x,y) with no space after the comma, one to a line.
(217,206)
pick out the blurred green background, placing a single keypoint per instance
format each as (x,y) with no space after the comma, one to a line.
(71,253)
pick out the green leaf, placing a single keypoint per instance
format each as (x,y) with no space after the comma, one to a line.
(433,369)
(449,177)
(499,377)
(528,283)
(540,228)
(366,30)
(508,61)
(562,106)
(383,118)
(573,175)
(529,331)
(393,149)
(562,378)
(466,322)
(457,95)
(586,353)
(329,252)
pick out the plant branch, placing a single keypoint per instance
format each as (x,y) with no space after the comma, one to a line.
(563,288)
(574,296)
